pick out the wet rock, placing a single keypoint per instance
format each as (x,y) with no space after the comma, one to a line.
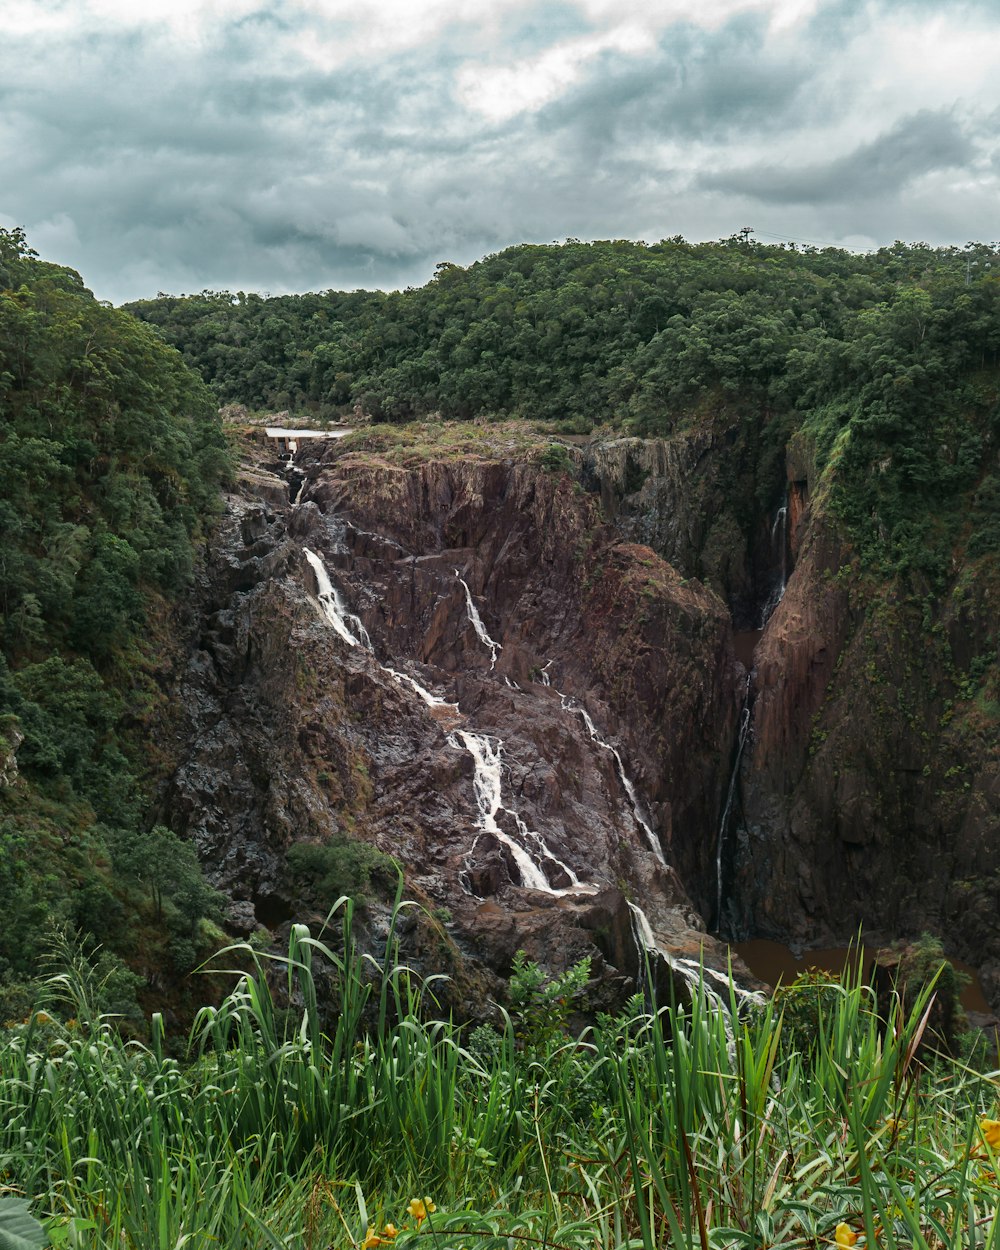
(288,733)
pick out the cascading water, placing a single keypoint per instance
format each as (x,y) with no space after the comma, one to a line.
(744,733)
(477,623)
(347,625)
(779,546)
(353,632)
(487,784)
(637,810)
(779,558)
(532,863)
(694,974)
(440,708)
(532,852)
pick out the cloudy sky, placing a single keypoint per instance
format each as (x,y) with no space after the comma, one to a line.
(289,145)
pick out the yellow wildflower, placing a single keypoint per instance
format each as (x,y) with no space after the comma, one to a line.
(845,1238)
(390,1231)
(372,1240)
(420,1208)
(990,1130)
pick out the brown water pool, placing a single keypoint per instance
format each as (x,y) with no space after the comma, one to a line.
(772,962)
(744,643)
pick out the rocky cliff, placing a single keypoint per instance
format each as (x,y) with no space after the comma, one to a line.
(868,793)
(521,684)
(529,713)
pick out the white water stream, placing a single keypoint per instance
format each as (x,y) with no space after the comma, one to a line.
(487,782)
(532,851)
(528,851)
(779,530)
(744,733)
(569,705)
(477,623)
(347,625)
(432,700)
(694,974)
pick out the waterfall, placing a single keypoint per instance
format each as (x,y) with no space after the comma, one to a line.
(347,625)
(649,950)
(637,810)
(487,758)
(693,974)
(779,530)
(575,884)
(440,707)
(487,785)
(353,632)
(477,622)
(533,864)
(744,733)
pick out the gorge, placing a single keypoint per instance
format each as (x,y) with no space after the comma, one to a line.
(653,577)
(497,663)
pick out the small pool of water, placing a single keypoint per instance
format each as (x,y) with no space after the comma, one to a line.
(744,644)
(771,961)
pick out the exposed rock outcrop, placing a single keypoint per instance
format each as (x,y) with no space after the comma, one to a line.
(867,793)
(291,734)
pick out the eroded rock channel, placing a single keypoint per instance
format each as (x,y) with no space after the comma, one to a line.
(463,664)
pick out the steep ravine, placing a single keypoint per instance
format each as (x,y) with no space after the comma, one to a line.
(590,740)
(868,792)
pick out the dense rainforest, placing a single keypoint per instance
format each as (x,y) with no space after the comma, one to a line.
(887,361)
(111,457)
(509,662)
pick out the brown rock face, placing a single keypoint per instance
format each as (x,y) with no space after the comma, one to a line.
(536,730)
(868,791)
(863,804)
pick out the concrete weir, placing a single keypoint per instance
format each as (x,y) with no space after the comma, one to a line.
(288,440)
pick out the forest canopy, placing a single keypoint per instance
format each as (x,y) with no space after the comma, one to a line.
(111,456)
(884,362)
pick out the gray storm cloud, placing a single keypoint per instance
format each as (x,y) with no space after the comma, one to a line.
(280,150)
(917,145)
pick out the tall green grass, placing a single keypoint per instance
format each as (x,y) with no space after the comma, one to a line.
(683,1126)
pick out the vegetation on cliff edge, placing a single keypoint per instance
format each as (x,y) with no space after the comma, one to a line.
(111,455)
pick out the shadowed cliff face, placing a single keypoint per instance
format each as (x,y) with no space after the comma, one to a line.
(579,764)
(872,792)
(868,792)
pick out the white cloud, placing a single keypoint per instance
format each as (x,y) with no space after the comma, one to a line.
(500,92)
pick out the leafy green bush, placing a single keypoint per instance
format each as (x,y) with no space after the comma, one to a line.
(540,1005)
(323,872)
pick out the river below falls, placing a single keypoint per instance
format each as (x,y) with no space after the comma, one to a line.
(771,961)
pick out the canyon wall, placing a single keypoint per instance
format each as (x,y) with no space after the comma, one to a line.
(868,794)
(532,721)
(542,724)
